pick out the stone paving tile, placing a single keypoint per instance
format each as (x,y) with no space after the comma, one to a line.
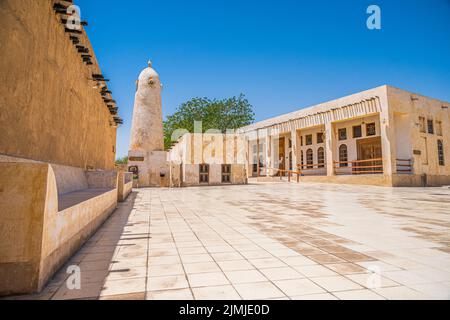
(88,290)
(433,290)
(245,276)
(191,250)
(346,268)
(167,283)
(371,281)
(281,273)
(201,267)
(192,258)
(207,279)
(298,287)
(227,256)
(379,265)
(405,277)
(216,293)
(315,271)
(267,263)
(125,296)
(401,293)
(165,270)
(256,254)
(358,295)
(123,286)
(317,296)
(258,290)
(298,261)
(156,261)
(176,294)
(234,265)
(325,258)
(321,242)
(336,283)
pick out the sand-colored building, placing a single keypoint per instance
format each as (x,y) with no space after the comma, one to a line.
(58,125)
(208,159)
(382,136)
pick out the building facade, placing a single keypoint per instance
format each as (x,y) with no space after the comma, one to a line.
(208,159)
(383,136)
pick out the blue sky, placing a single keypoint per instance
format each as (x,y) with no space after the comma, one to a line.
(283,55)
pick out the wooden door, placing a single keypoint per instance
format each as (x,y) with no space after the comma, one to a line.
(369,149)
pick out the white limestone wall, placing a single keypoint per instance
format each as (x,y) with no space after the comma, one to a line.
(350,141)
(413,106)
(314,147)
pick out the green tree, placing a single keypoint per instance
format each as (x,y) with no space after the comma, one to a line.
(224,114)
(123,160)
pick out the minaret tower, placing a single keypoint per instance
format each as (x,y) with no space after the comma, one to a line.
(147,128)
(147,157)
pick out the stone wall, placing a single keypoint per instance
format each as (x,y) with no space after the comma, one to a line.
(125,185)
(36,237)
(49,110)
(422,145)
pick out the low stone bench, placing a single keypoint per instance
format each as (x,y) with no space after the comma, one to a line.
(47,212)
(125,185)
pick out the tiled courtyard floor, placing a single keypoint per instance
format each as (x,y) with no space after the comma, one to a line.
(268,241)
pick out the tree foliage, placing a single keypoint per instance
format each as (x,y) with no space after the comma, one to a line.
(123,160)
(224,114)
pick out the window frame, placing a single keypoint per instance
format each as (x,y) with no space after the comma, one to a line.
(430,129)
(321,157)
(310,164)
(369,125)
(360,131)
(341,158)
(440,150)
(438,128)
(306,139)
(322,137)
(203,173)
(226,174)
(422,124)
(344,130)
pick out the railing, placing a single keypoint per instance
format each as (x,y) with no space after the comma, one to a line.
(404,165)
(312,169)
(368,166)
(289,173)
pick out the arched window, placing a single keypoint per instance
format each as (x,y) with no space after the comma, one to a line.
(440,146)
(321,157)
(309,158)
(343,155)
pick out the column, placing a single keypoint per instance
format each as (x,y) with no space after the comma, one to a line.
(269,163)
(294,139)
(330,147)
(388,141)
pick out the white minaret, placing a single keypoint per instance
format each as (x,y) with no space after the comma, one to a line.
(147,157)
(147,128)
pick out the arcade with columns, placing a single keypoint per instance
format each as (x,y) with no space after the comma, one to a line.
(383,136)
